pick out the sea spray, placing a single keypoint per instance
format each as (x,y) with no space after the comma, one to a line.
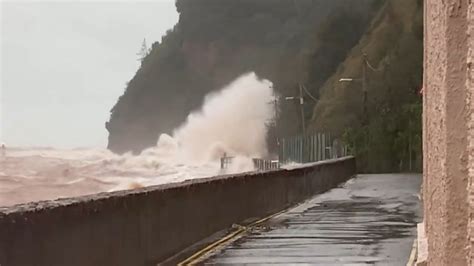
(231,121)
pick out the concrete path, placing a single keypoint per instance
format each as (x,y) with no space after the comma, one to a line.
(370,220)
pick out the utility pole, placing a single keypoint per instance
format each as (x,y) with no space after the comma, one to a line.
(300,98)
(303,123)
(364,89)
(275,120)
(365,111)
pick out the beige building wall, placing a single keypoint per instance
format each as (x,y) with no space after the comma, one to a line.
(470,104)
(447,125)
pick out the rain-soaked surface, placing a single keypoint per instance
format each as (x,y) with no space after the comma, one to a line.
(370,220)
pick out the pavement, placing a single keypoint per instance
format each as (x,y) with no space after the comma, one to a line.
(369,220)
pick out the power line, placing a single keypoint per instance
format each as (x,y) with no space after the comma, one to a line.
(373,68)
(370,66)
(309,94)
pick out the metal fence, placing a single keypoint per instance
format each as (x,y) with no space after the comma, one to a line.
(263,165)
(298,149)
(312,148)
(259,164)
(226,161)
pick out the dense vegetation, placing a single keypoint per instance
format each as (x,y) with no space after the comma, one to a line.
(310,42)
(388,137)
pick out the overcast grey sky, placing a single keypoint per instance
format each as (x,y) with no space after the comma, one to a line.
(64,64)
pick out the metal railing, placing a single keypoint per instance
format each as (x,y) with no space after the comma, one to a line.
(298,149)
(312,148)
(226,161)
(263,165)
(259,164)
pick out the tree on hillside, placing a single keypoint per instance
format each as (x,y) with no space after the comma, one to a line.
(143,51)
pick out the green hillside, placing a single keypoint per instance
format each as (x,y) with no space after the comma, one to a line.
(394,47)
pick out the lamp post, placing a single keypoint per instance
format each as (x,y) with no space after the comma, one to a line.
(363,79)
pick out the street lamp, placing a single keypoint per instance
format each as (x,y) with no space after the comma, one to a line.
(349,79)
(365,113)
(363,79)
(364,87)
(295,98)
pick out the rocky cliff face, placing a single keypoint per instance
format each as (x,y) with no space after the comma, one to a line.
(215,41)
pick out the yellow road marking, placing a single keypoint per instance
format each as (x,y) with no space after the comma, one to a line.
(196,257)
(414,249)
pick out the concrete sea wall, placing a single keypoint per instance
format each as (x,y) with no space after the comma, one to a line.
(145,226)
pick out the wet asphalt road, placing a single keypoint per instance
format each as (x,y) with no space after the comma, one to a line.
(370,220)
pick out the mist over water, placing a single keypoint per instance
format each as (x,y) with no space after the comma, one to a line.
(231,121)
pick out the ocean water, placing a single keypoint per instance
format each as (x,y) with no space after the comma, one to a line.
(231,121)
